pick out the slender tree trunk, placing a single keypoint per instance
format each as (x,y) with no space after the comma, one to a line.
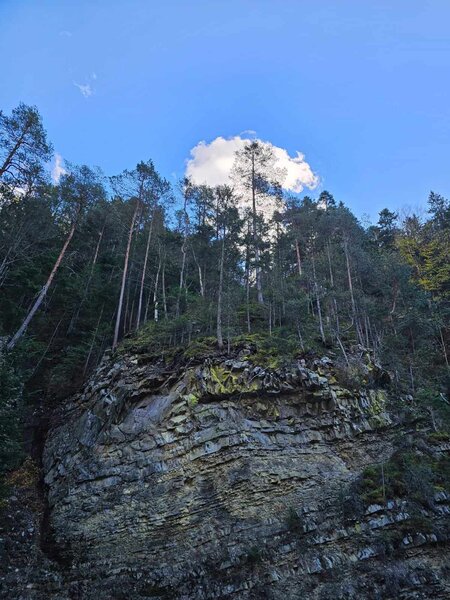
(163,284)
(124,278)
(300,337)
(155,293)
(126,314)
(411,375)
(43,355)
(8,160)
(86,364)
(247,288)
(183,259)
(180,287)
(147,307)
(352,296)
(219,296)
(200,275)
(144,270)
(299,262)
(270,318)
(4,265)
(394,300)
(444,349)
(74,319)
(19,333)
(319,308)
(255,237)
(349,277)
(329,265)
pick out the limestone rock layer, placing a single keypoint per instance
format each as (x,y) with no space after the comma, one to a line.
(223,479)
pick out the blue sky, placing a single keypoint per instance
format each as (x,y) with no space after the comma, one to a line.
(360,87)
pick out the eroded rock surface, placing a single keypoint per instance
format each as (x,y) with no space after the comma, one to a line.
(223,479)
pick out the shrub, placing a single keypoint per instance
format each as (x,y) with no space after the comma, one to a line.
(352,375)
(254,555)
(294,521)
(10,415)
(11,452)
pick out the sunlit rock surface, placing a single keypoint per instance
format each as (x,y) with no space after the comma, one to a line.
(218,478)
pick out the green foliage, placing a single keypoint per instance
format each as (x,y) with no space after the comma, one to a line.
(11,408)
(254,556)
(439,436)
(352,374)
(23,149)
(293,521)
(436,405)
(328,284)
(409,474)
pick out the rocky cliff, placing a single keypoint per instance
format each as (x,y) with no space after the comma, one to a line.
(228,476)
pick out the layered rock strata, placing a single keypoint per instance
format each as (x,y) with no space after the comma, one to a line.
(222,479)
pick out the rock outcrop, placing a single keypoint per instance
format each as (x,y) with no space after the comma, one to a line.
(218,478)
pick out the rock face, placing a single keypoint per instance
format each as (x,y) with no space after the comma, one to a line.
(222,479)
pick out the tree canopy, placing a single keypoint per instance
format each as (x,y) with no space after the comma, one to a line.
(93,259)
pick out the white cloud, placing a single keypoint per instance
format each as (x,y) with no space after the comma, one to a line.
(57,168)
(298,172)
(248,132)
(65,33)
(212,163)
(85,89)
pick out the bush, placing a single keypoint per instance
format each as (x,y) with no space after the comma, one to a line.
(352,375)
(254,555)
(11,452)
(294,522)
(349,502)
(410,473)
(10,415)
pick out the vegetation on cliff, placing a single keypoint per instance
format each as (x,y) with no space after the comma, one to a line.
(90,261)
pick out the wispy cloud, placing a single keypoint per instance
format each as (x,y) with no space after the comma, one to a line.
(85,89)
(57,168)
(248,132)
(65,33)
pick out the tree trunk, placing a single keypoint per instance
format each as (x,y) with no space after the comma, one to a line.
(180,287)
(183,259)
(352,296)
(219,296)
(330,267)
(319,308)
(124,278)
(255,237)
(86,289)
(144,269)
(88,358)
(155,293)
(200,275)
(299,262)
(44,290)
(444,349)
(163,285)
(8,160)
(247,287)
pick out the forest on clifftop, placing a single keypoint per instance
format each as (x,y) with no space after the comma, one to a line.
(90,260)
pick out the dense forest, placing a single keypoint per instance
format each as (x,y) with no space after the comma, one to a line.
(90,260)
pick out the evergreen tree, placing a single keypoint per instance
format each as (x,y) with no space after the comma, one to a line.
(23,150)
